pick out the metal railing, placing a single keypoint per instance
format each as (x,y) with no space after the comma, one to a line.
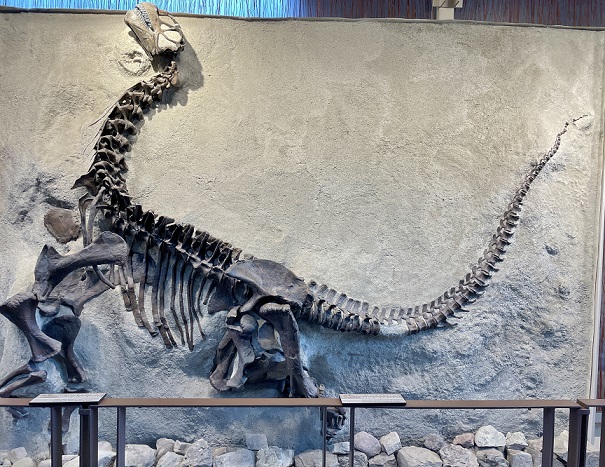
(578,420)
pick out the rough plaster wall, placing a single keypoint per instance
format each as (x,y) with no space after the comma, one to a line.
(374,156)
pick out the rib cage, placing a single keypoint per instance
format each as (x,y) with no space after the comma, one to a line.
(194,263)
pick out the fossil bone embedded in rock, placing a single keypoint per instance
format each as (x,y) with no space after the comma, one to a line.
(157,31)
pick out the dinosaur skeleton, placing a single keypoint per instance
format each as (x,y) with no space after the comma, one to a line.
(183,270)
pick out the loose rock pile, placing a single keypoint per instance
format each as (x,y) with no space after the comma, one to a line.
(487,447)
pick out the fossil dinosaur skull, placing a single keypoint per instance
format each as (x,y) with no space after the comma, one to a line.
(157,31)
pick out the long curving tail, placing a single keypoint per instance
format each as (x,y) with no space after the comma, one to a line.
(335,310)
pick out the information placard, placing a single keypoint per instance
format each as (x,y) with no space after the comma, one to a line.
(372,399)
(74,398)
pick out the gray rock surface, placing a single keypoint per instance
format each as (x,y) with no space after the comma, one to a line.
(15,454)
(198,455)
(170,459)
(466,440)
(390,442)
(382,460)
(314,459)
(162,446)
(412,456)
(491,457)
(488,437)
(104,446)
(139,455)
(519,459)
(516,441)
(180,447)
(240,458)
(359,460)
(105,458)
(434,442)
(340,448)
(562,444)
(24,462)
(453,455)
(274,456)
(256,441)
(367,443)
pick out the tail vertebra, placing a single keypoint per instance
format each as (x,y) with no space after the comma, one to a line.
(337,311)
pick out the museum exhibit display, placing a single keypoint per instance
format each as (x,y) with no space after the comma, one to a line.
(176,194)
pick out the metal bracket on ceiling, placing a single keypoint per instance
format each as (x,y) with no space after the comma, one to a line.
(445,8)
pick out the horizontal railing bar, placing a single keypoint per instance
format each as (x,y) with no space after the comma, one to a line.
(327,402)
(219,402)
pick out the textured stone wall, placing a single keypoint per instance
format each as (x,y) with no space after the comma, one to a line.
(375,156)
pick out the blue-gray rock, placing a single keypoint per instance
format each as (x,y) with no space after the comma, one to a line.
(24,462)
(314,459)
(434,442)
(359,460)
(453,455)
(383,460)
(16,454)
(339,448)
(170,459)
(239,458)
(139,455)
(390,442)
(274,457)
(519,459)
(256,441)
(466,440)
(491,457)
(198,455)
(367,444)
(412,456)
(105,458)
(516,441)
(488,437)
(181,447)
(164,445)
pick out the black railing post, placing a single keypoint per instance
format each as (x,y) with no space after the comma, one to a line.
(584,413)
(84,437)
(93,440)
(56,436)
(121,437)
(573,449)
(324,428)
(548,440)
(351,436)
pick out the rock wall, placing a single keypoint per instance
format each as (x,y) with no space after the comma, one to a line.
(375,156)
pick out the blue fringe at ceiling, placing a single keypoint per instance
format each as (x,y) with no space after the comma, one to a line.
(587,13)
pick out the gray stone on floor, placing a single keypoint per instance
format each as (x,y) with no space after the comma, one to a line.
(198,455)
(105,446)
(466,440)
(16,454)
(170,459)
(359,460)
(164,445)
(181,447)
(367,444)
(274,456)
(516,441)
(412,456)
(453,455)
(434,442)
(491,457)
(256,441)
(139,455)
(240,458)
(314,459)
(339,448)
(383,460)
(561,445)
(390,442)
(24,462)
(519,459)
(488,437)
(105,458)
